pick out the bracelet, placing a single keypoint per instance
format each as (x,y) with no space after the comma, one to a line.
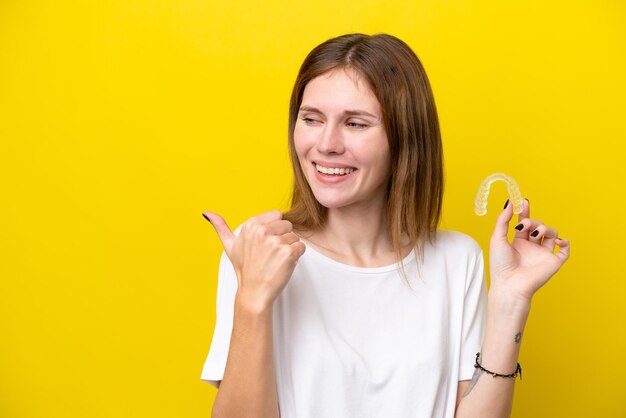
(494,375)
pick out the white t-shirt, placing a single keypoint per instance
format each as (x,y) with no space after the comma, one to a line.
(358,342)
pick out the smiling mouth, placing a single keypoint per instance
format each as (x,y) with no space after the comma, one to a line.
(334,171)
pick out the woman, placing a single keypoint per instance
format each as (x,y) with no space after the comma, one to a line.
(354,304)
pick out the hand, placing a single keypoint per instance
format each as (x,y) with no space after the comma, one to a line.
(527,263)
(264,255)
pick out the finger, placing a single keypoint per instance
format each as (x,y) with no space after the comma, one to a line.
(298,249)
(224,233)
(564,249)
(502,222)
(525,227)
(544,235)
(279,227)
(289,238)
(266,217)
(525,213)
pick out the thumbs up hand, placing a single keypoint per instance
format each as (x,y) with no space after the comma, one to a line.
(264,255)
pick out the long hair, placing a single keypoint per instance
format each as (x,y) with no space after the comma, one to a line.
(398,80)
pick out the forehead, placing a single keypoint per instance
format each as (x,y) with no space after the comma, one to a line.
(341,87)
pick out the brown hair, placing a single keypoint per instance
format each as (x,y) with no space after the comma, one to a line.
(399,82)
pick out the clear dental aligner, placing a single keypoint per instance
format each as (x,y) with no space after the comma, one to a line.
(480,203)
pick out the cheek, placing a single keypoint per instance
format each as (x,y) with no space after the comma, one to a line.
(375,154)
(301,143)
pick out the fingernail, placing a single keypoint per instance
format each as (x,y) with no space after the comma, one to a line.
(207,218)
(519,227)
(506,204)
(534,233)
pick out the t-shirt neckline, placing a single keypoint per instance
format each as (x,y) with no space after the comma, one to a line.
(356,269)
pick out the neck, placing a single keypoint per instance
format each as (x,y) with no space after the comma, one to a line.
(356,232)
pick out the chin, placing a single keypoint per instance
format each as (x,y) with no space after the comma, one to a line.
(331,202)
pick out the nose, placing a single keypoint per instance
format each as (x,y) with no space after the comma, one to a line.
(331,140)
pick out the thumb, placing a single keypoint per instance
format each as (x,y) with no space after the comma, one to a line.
(502,222)
(223,231)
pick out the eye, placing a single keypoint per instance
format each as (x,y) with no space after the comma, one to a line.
(308,121)
(356,125)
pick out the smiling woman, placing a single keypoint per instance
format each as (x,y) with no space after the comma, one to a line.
(331,140)
(382,77)
(313,319)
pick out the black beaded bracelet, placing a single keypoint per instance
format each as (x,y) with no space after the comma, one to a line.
(494,375)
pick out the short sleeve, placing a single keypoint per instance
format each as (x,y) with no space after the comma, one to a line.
(213,370)
(474,315)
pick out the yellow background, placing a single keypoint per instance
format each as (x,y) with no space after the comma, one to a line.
(121,121)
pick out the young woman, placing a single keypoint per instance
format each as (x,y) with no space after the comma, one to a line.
(354,303)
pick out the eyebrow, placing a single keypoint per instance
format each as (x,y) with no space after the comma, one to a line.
(355,112)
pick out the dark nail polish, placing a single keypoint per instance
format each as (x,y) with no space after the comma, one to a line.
(207,218)
(535,233)
(506,204)
(519,227)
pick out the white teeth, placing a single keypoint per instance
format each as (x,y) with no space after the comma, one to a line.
(339,171)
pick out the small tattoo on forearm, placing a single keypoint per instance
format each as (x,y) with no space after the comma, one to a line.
(472,383)
(518,337)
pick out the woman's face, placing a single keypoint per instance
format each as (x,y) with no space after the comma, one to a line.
(341,141)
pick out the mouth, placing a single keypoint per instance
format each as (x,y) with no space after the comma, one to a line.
(333,171)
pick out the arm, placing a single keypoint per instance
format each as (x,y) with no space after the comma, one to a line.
(249,385)
(517,270)
(263,255)
(485,396)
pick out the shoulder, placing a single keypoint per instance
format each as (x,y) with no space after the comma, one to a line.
(457,243)
(464,256)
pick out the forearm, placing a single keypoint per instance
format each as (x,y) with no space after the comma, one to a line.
(487,396)
(248,388)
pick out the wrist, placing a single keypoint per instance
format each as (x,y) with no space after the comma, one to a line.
(251,305)
(507,303)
